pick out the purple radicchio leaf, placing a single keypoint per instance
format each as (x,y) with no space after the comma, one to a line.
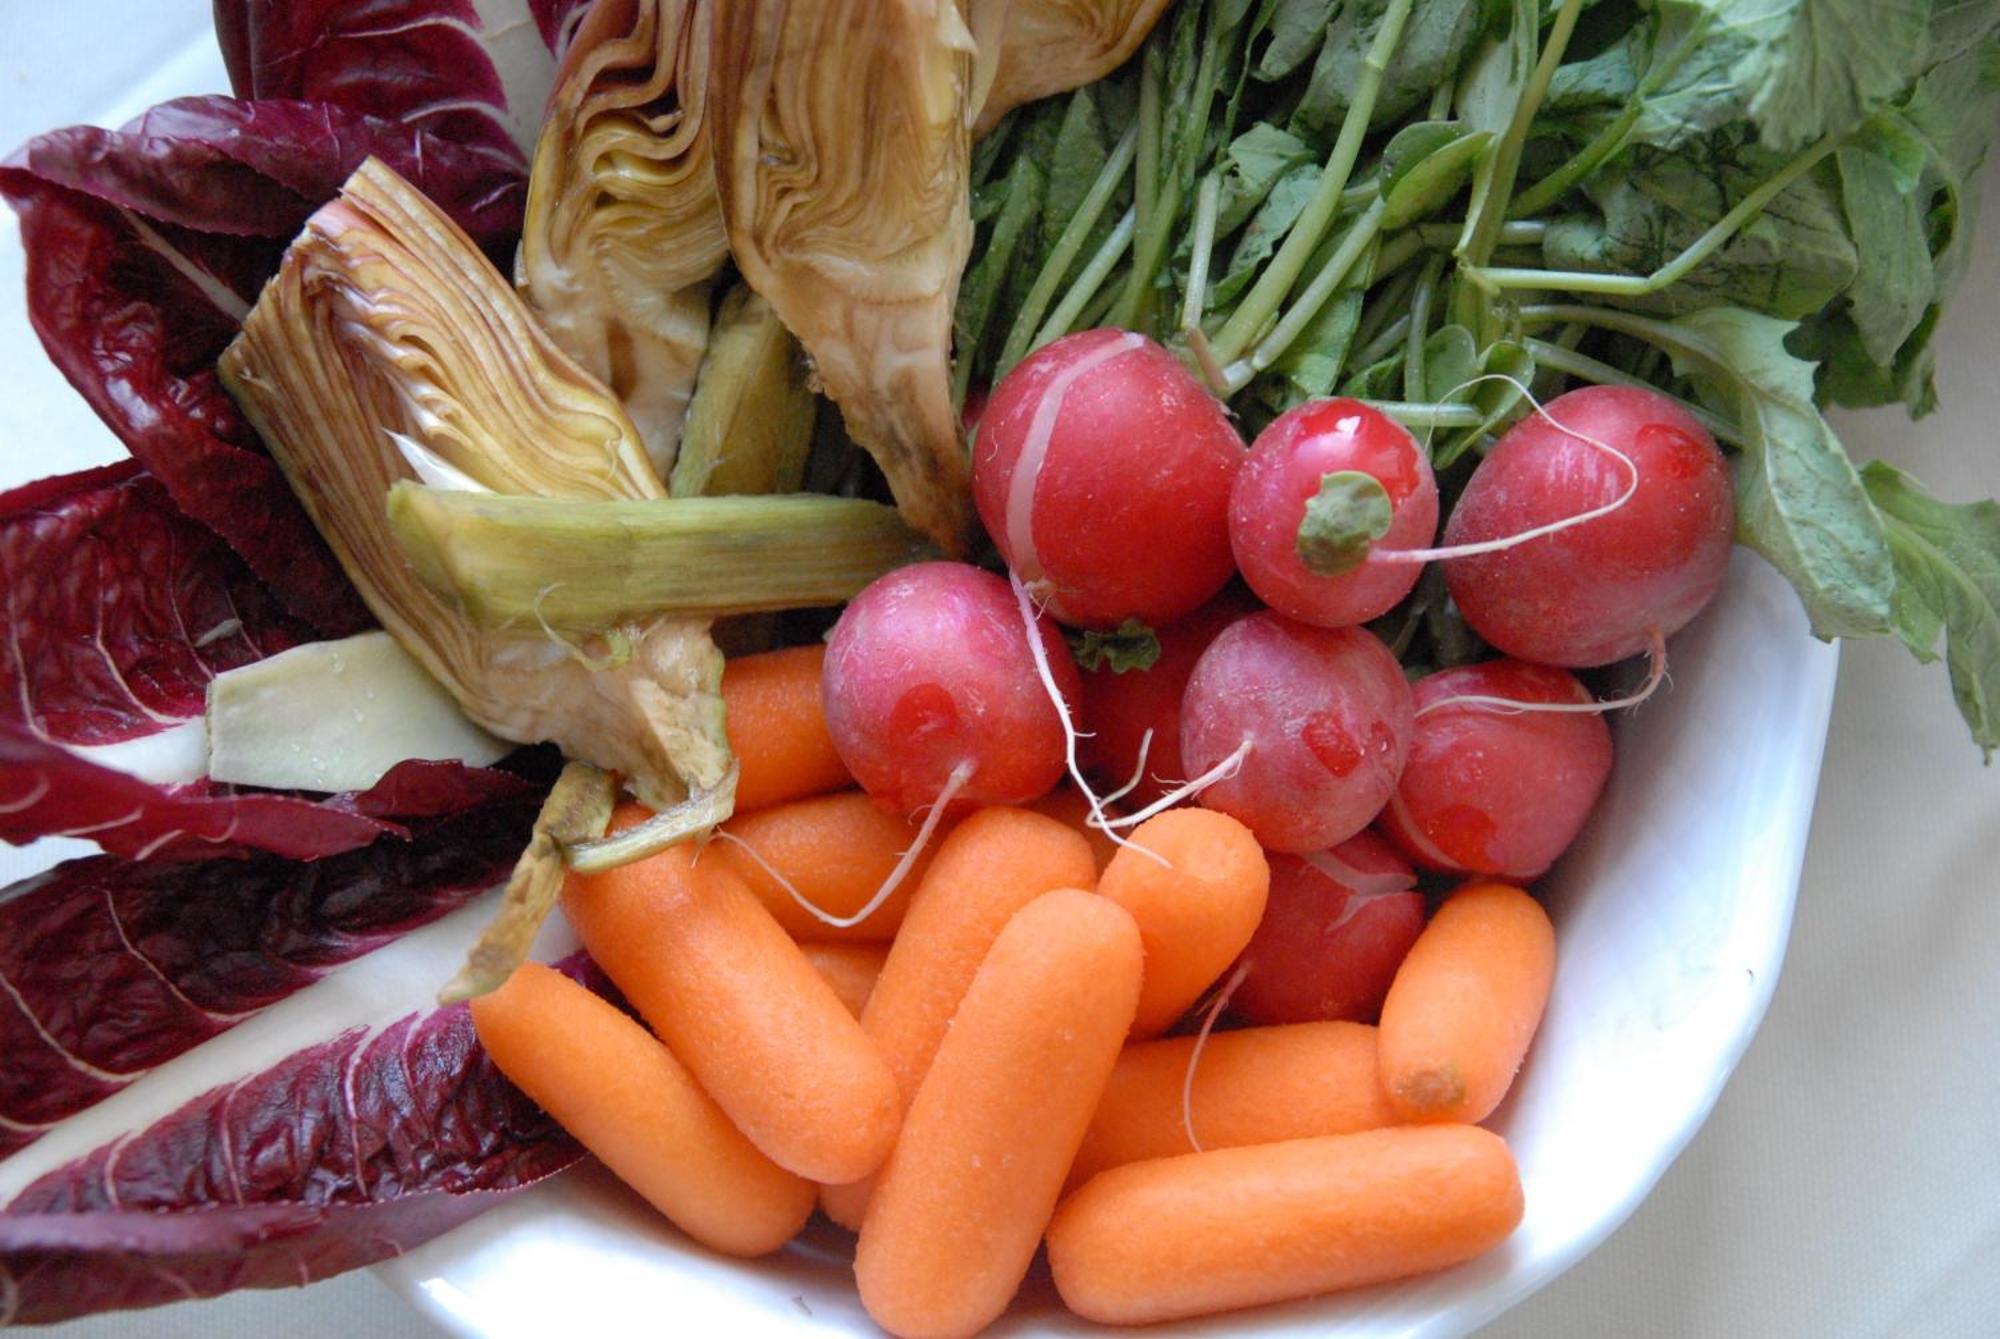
(475,72)
(147,245)
(119,610)
(109,968)
(340,1155)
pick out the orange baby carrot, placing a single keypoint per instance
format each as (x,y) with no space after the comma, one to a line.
(623,1095)
(836,851)
(1255,1086)
(993,864)
(1066,805)
(777,728)
(850,969)
(1239,1227)
(1196,911)
(974,1177)
(1465,1004)
(726,988)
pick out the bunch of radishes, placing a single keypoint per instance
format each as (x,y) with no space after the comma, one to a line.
(1118,492)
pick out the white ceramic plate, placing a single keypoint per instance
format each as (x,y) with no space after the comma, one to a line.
(1671,915)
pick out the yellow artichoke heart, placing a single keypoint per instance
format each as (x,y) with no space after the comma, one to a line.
(623,234)
(841,149)
(1053,46)
(385,332)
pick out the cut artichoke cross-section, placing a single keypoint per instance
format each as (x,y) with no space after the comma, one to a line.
(623,233)
(1052,46)
(842,135)
(385,323)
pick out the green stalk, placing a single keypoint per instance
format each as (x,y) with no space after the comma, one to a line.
(1283,271)
(694,816)
(1569,361)
(1388,337)
(1524,232)
(1430,415)
(1388,310)
(1085,288)
(1074,234)
(1149,249)
(1207,204)
(1331,275)
(587,566)
(1420,326)
(1611,139)
(1637,285)
(1146,181)
(1489,205)
(1398,250)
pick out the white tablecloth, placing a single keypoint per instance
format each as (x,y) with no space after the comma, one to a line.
(1849,1181)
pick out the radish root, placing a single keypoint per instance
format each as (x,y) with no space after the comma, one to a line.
(1215,1008)
(1222,771)
(1656,674)
(933,815)
(1505,542)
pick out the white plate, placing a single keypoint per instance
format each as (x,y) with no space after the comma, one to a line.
(1671,915)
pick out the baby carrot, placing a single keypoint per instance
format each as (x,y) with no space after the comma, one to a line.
(623,1095)
(1195,912)
(1465,1004)
(777,729)
(726,988)
(851,970)
(1254,1086)
(836,851)
(1066,805)
(974,1177)
(1240,1227)
(993,864)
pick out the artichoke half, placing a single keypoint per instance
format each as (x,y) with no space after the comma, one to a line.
(623,235)
(385,335)
(841,142)
(1052,46)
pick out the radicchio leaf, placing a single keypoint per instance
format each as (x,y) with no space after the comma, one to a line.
(110,967)
(48,791)
(146,246)
(119,609)
(340,1155)
(476,72)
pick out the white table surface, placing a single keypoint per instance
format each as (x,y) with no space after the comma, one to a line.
(1848,1182)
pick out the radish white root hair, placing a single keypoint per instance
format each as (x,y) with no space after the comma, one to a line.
(1187,790)
(1097,819)
(1215,1008)
(1378,554)
(932,817)
(1363,883)
(1656,674)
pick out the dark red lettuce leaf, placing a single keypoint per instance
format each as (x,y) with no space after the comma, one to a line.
(111,967)
(119,609)
(47,791)
(340,1155)
(145,247)
(459,68)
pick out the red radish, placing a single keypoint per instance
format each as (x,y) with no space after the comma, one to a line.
(931,691)
(1336,927)
(1102,471)
(1117,710)
(1303,471)
(1608,587)
(1317,723)
(1495,790)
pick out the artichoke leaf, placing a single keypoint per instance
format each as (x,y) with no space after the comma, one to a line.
(623,234)
(578,809)
(842,161)
(750,423)
(385,324)
(1052,46)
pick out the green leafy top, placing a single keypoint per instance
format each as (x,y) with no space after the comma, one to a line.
(1758,206)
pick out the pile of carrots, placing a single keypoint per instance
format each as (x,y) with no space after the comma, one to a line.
(978,1067)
